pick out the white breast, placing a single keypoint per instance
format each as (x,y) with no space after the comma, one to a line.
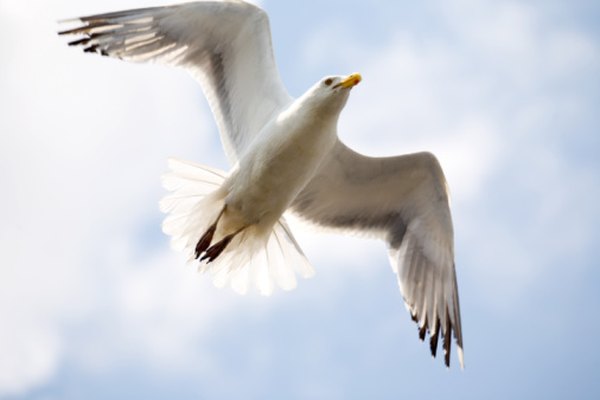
(279,163)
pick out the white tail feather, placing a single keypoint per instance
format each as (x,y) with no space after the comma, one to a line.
(252,258)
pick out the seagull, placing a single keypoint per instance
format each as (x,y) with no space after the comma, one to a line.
(287,158)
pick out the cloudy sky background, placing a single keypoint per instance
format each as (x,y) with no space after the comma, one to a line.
(94,304)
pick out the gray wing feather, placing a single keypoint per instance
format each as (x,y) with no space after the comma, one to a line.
(225,45)
(404,201)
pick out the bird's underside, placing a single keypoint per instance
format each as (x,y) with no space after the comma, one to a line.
(226,46)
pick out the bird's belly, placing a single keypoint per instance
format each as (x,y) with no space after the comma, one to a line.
(266,184)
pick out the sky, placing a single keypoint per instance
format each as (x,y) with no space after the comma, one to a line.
(94,304)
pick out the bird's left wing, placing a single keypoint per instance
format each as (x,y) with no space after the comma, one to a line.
(404,201)
(225,44)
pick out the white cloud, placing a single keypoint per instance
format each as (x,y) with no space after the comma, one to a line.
(156,310)
(30,350)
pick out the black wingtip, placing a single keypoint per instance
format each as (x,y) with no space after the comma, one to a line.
(446,352)
(423,330)
(447,340)
(78,42)
(433,342)
(422,333)
(91,49)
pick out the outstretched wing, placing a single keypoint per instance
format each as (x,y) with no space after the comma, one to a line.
(403,200)
(226,45)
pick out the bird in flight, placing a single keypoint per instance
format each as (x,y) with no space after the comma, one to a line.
(287,158)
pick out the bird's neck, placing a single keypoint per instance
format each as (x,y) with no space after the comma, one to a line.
(314,115)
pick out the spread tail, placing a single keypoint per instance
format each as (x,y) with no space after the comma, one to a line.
(252,258)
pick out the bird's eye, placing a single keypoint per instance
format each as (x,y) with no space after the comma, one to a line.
(328,81)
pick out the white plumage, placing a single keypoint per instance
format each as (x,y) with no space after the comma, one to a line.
(286,156)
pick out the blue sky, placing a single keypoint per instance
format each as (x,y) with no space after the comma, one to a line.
(94,304)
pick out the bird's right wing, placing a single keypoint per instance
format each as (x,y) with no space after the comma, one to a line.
(404,201)
(225,44)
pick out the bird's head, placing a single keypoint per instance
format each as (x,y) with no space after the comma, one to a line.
(331,92)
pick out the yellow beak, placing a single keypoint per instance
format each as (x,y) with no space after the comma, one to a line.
(349,81)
